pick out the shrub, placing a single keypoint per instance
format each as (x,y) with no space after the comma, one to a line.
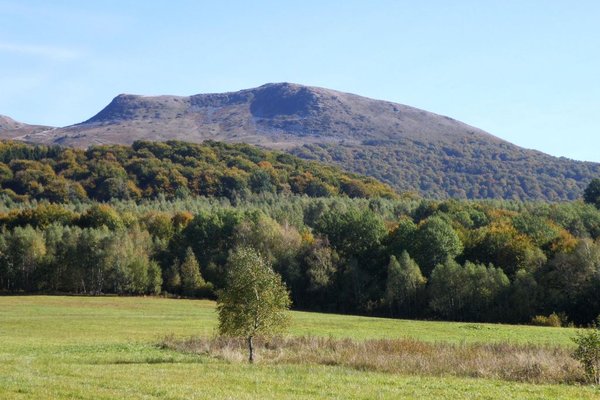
(550,320)
(588,352)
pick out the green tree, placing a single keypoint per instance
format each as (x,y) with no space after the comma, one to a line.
(352,232)
(24,253)
(435,242)
(173,278)
(320,261)
(468,292)
(42,216)
(401,238)
(101,214)
(137,274)
(159,224)
(538,229)
(279,244)
(447,289)
(570,282)
(255,300)
(127,255)
(210,234)
(90,261)
(522,298)
(502,245)
(485,287)
(191,279)
(588,352)
(591,194)
(154,278)
(404,282)
(116,188)
(260,181)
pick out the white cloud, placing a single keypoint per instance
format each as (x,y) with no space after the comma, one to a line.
(44,51)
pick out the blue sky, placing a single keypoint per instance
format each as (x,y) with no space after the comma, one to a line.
(526,71)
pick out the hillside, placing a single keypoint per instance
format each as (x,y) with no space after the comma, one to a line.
(10,129)
(409,148)
(171,169)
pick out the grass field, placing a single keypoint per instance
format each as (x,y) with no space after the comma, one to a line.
(106,347)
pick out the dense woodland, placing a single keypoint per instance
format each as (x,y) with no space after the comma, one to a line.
(172,169)
(458,260)
(471,169)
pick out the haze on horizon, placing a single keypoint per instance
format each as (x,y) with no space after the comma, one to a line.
(527,73)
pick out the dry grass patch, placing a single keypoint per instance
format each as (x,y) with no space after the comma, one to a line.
(506,361)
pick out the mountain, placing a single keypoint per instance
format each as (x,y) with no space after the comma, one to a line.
(11,129)
(279,115)
(409,148)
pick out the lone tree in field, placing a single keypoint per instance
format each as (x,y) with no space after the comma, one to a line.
(255,300)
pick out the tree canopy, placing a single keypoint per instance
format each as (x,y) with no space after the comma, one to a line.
(171,169)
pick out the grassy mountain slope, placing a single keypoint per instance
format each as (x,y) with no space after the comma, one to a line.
(10,129)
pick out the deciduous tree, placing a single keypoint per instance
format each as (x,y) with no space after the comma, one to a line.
(191,279)
(255,300)
(404,282)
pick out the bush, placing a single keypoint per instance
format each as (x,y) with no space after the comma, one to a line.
(588,352)
(551,320)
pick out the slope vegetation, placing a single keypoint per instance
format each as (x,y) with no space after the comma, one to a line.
(171,169)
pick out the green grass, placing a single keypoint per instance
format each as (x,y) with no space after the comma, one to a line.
(104,348)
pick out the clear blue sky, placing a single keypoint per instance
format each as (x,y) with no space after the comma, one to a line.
(526,71)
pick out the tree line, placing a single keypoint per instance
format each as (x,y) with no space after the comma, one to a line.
(404,257)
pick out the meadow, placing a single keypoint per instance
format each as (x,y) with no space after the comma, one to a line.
(109,347)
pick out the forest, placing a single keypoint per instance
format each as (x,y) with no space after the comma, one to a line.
(171,169)
(467,170)
(405,257)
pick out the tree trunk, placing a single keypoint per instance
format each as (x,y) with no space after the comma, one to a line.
(250,350)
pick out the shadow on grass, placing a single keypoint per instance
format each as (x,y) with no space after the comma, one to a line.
(154,360)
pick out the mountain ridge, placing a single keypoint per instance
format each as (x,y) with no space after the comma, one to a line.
(299,110)
(11,129)
(409,148)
